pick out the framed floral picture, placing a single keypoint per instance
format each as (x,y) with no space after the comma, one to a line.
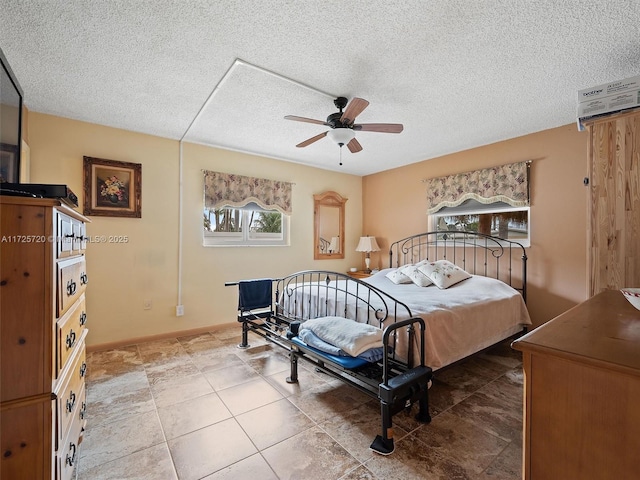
(112,188)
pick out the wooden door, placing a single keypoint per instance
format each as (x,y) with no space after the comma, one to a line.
(614,214)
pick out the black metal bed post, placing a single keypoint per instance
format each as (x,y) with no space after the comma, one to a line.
(410,339)
(383,444)
(293,375)
(294,328)
(423,415)
(524,276)
(245,333)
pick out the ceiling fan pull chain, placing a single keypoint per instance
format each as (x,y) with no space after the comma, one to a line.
(340,155)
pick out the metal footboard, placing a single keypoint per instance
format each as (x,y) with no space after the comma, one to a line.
(398,380)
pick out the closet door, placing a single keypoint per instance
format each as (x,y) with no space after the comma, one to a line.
(614,208)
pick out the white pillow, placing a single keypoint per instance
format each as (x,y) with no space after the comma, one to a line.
(444,273)
(416,276)
(397,277)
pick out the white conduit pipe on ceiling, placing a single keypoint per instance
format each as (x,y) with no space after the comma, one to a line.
(237,62)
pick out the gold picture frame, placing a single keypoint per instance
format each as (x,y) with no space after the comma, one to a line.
(112,188)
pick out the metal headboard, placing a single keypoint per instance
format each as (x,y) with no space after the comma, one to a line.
(474,252)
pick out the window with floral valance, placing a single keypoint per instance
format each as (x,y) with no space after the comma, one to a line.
(241,210)
(504,183)
(492,201)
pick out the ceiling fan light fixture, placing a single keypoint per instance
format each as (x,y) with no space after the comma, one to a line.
(341,136)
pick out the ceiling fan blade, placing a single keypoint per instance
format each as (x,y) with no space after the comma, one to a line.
(304,119)
(355,108)
(309,141)
(354,146)
(379,127)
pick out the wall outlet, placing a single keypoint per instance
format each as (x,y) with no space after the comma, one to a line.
(179,310)
(147,305)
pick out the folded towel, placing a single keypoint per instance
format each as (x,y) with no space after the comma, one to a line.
(254,294)
(311,339)
(348,335)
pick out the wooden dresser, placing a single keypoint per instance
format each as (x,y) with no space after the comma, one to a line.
(43,319)
(582,392)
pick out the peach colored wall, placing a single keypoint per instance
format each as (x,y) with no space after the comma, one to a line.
(122,276)
(395,206)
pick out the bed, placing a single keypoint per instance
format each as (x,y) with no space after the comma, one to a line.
(422,328)
(473,314)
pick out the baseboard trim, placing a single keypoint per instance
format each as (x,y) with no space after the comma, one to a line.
(160,336)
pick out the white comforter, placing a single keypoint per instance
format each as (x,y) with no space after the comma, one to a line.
(462,319)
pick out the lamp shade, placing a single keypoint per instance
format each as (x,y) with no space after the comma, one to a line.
(341,136)
(367,244)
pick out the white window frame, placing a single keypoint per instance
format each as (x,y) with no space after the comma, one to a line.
(480,209)
(246,238)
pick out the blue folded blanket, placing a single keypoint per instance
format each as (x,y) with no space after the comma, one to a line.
(311,339)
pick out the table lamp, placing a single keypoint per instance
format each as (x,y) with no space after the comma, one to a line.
(367,245)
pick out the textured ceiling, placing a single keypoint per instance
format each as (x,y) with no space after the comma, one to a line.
(456,73)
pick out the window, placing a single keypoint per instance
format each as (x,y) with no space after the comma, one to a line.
(244,211)
(499,219)
(250,225)
(492,201)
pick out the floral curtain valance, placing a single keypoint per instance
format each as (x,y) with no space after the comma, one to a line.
(505,183)
(230,190)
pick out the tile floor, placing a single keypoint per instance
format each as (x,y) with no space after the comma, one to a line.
(200,408)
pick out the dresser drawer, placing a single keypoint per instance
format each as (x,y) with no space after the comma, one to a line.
(64,236)
(69,330)
(79,236)
(72,282)
(66,458)
(71,236)
(69,393)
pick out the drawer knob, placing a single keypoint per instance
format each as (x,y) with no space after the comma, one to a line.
(84,279)
(83,369)
(71,288)
(71,459)
(83,410)
(83,318)
(71,339)
(71,401)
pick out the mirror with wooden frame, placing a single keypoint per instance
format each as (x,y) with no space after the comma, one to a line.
(328,226)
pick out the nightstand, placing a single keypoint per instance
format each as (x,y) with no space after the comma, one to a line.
(359,274)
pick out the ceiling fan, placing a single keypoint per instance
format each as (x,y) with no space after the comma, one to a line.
(343,127)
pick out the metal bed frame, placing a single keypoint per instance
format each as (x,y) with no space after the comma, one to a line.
(396,382)
(474,252)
